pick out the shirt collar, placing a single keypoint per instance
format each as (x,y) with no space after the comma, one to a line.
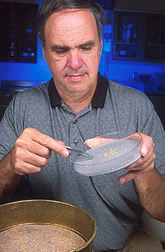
(98,98)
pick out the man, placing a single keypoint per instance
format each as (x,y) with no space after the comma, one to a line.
(74,107)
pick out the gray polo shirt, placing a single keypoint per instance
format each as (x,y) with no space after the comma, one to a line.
(116,208)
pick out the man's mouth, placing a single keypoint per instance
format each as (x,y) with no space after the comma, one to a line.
(76,77)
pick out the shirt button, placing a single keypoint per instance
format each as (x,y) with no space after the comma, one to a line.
(75,121)
(75,141)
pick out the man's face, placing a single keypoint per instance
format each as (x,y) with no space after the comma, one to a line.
(72,51)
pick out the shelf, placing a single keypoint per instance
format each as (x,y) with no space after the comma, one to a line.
(155,45)
(126,43)
(139,36)
(18,37)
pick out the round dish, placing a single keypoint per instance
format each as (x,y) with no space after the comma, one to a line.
(109,157)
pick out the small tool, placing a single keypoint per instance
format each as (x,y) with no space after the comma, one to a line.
(79,152)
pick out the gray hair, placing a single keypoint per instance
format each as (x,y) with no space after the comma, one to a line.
(51,6)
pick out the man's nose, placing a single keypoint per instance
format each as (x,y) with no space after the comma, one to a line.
(74,59)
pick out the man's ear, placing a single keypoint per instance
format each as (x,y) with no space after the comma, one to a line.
(44,53)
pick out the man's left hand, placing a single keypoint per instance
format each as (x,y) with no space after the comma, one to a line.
(142,166)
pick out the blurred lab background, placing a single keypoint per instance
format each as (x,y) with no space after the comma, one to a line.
(133,48)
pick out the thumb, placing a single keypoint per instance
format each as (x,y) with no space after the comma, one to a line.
(94,142)
(144,150)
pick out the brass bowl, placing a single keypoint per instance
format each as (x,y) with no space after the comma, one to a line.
(49,212)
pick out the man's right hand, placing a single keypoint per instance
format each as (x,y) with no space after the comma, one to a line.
(32,150)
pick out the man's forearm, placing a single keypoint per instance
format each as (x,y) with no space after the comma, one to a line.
(151,190)
(8,179)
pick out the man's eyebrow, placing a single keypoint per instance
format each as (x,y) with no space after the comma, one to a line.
(88,43)
(66,48)
(58,47)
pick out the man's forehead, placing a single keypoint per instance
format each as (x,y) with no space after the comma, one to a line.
(67,12)
(65,28)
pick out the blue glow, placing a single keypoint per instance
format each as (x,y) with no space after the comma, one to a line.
(114,70)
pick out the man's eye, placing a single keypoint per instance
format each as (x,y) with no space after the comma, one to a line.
(61,51)
(86,48)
